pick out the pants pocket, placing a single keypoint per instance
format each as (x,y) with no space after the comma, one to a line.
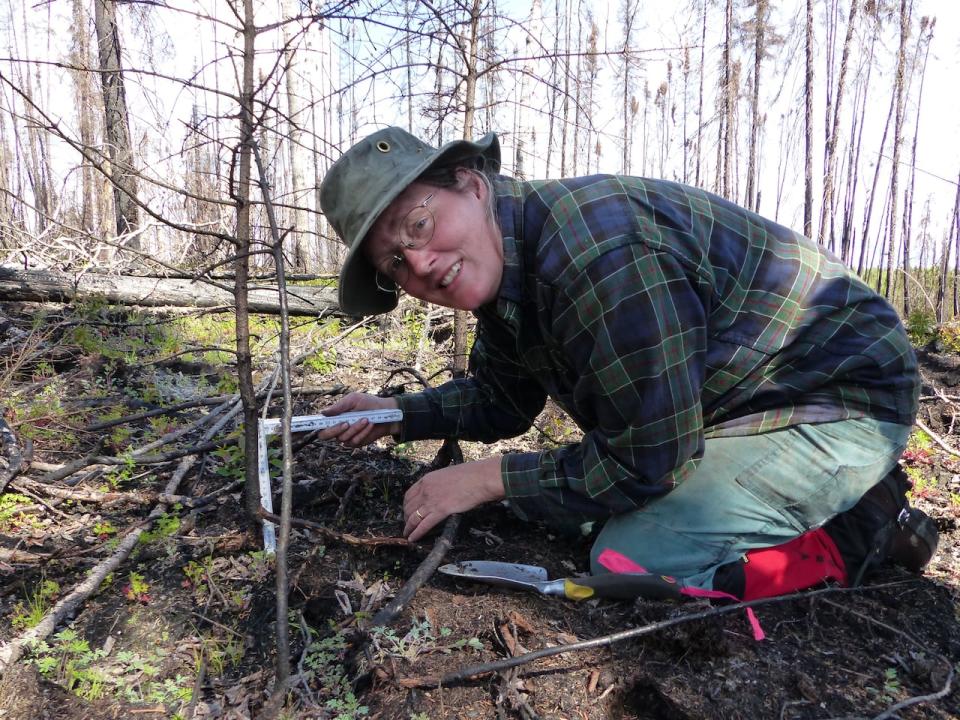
(805,495)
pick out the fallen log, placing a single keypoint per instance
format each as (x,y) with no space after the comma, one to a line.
(51,286)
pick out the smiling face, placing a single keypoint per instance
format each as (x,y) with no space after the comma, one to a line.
(462,264)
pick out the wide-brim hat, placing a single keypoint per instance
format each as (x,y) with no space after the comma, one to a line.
(363,182)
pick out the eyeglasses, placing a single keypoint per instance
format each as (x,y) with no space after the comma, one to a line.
(416,230)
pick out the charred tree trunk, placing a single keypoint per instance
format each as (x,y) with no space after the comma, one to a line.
(955,231)
(241,267)
(926,34)
(116,121)
(751,199)
(808,128)
(303,258)
(899,89)
(832,134)
(85,99)
(460,317)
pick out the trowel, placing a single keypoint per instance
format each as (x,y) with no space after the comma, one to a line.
(616,586)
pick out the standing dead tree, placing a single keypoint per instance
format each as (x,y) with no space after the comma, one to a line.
(832,133)
(116,122)
(899,93)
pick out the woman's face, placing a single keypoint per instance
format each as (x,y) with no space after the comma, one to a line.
(461,264)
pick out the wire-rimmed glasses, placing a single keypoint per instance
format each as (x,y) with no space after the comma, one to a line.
(415,231)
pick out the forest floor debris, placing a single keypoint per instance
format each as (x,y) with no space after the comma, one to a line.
(183,627)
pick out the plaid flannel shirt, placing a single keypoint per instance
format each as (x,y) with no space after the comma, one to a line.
(658,315)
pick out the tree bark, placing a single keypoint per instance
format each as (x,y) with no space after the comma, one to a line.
(116,121)
(899,92)
(925,36)
(760,23)
(460,317)
(808,128)
(833,133)
(241,267)
(303,258)
(48,286)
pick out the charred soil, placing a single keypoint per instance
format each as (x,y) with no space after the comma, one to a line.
(185,625)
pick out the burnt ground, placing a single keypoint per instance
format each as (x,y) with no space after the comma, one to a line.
(185,626)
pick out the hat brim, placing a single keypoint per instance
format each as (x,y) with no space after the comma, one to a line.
(358,291)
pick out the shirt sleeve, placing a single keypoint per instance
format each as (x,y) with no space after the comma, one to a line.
(632,326)
(497,400)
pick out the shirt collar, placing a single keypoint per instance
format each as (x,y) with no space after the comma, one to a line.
(511,294)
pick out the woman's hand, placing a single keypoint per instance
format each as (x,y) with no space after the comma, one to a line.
(454,489)
(362,432)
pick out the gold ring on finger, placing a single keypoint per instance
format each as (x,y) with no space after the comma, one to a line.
(419,514)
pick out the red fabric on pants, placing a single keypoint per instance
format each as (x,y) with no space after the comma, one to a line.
(805,561)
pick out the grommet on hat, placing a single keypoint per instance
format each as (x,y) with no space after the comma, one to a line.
(363,182)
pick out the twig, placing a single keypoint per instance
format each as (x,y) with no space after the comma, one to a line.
(347,538)
(389,612)
(936,438)
(140,498)
(90,460)
(473,671)
(909,702)
(360,477)
(172,410)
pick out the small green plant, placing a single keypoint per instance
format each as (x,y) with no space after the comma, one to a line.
(31,611)
(948,338)
(119,475)
(324,663)
(418,639)
(137,588)
(322,362)
(891,684)
(104,529)
(12,512)
(232,461)
(921,327)
(165,526)
(220,654)
(91,674)
(923,484)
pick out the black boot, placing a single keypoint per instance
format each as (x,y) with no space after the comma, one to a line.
(882,527)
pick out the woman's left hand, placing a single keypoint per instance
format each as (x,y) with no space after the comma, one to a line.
(450,490)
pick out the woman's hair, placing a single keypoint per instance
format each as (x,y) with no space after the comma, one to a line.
(447,176)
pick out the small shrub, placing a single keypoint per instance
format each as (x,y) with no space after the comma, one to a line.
(921,327)
(948,337)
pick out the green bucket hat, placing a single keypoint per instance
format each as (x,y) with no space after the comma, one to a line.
(363,182)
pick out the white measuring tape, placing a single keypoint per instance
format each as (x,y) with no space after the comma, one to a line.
(302,423)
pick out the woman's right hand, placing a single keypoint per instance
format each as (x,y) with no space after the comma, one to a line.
(362,432)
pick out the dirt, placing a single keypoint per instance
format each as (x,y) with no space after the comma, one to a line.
(201,596)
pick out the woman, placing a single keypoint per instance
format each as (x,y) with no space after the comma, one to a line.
(738,389)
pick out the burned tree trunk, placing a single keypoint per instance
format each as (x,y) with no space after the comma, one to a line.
(116,121)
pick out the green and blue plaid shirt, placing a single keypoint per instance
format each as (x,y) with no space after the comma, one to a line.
(658,315)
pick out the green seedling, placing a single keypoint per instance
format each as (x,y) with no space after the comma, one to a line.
(92,674)
(165,526)
(12,512)
(33,609)
(137,588)
(104,529)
